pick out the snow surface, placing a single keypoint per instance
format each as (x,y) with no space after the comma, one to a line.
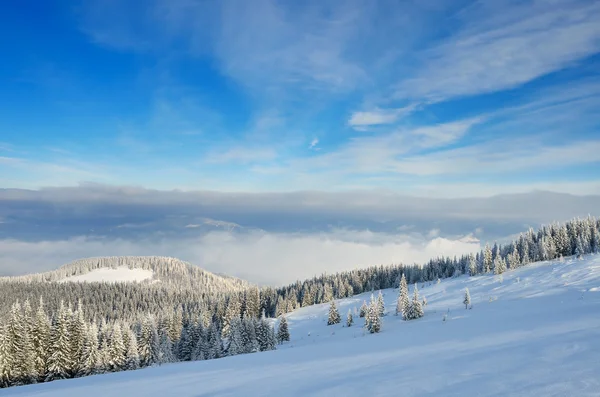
(536,333)
(106,274)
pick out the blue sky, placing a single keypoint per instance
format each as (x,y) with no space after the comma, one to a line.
(442,98)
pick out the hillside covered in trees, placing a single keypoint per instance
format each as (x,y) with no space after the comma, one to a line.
(53,330)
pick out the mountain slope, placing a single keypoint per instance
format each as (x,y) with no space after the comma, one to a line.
(533,333)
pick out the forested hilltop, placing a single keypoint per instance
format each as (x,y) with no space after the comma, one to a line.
(56,330)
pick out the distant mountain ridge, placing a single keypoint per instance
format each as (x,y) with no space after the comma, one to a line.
(166,270)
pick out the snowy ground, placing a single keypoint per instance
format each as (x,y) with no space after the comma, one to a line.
(539,336)
(120,274)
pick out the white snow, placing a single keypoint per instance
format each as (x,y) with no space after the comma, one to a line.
(536,333)
(106,274)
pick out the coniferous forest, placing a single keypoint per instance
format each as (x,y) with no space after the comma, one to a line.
(55,330)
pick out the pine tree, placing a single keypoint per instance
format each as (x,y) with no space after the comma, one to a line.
(117,349)
(380,305)
(579,248)
(472,265)
(487,259)
(185,346)
(253,302)
(499,265)
(334,315)
(372,319)
(77,329)
(233,311)
(26,340)
(132,357)
(165,350)
(148,343)
(415,306)
(236,345)
(40,338)
(363,310)
(403,303)
(265,335)
(90,354)
(59,361)
(249,339)
(283,334)
(6,359)
(349,320)
(199,342)
(467,299)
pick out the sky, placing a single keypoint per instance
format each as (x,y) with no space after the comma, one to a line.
(433,99)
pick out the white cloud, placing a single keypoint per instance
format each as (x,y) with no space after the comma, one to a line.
(313,144)
(260,257)
(379,116)
(505,45)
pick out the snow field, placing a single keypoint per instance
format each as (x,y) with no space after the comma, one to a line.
(534,331)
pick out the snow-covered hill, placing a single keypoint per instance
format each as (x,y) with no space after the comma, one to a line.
(534,332)
(147,269)
(119,274)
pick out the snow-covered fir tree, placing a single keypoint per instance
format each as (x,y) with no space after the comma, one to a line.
(165,349)
(487,259)
(59,361)
(132,356)
(372,319)
(236,345)
(90,354)
(499,265)
(472,265)
(283,333)
(363,310)
(380,305)
(334,314)
(117,349)
(41,338)
(403,300)
(467,298)
(349,319)
(148,342)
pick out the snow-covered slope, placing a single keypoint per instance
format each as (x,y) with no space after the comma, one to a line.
(120,274)
(536,333)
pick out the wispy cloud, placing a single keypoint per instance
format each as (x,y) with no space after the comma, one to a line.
(503,45)
(313,144)
(379,116)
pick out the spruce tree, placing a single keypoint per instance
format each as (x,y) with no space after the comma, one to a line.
(499,265)
(117,349)
(28,326)
(380,305)
(487,259)
(77,328)
(59,362)
(90,353)
(349,320)
(467,298)
(403,303)
(249,339)
(165,350)
(148,343)
(41,339)
(472,265)
(236,345)
(132,357)
(283,334)
(334,315)
(363,310)
(415,306)
(6,359)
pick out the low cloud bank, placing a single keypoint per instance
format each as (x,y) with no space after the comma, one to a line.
(265,258)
